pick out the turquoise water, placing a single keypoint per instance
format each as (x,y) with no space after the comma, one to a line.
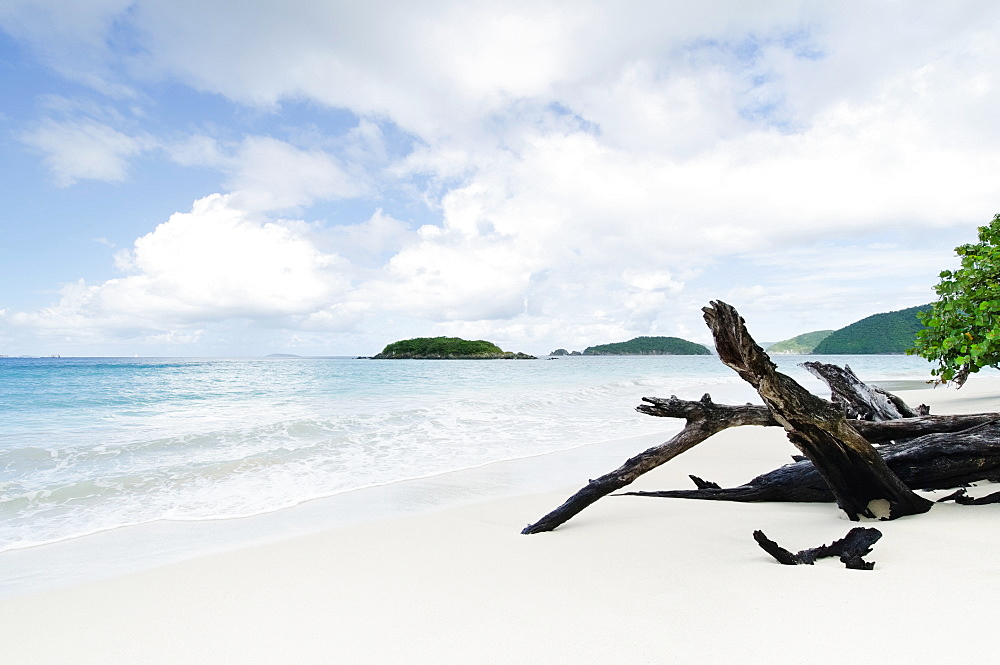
(93,444)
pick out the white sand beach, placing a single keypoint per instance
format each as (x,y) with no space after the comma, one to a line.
(630,580)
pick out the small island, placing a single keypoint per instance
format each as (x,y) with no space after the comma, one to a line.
(649,346)
(447,348)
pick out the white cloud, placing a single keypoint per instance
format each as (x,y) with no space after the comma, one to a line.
(266,174)
(85,149)
(445,279)
(597,168)
(373,242)
(214,263)
(271,174)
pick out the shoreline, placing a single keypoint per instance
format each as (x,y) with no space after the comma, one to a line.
(630,579)
(133,548)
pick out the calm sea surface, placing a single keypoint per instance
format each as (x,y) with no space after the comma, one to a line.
(92,444)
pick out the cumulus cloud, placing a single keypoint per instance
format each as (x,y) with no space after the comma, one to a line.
(214,263)
(456,280)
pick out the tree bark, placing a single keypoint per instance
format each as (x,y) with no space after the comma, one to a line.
(862,484)
(859,400)
(895,430)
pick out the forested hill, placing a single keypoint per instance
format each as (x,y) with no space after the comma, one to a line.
(446,348)
(649,346)
(801,343)
(891,332)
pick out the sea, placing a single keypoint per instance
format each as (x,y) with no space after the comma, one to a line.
(113,464)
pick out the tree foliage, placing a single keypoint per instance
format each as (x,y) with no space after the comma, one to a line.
(963,326)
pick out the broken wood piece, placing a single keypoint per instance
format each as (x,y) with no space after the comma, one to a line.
(851,549)
(961,496)
(704,484)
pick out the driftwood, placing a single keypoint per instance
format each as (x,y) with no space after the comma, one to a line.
(705,418)
(858,400)
(801,481)
(860,481)
(881,431)
(934,461)
(851,549)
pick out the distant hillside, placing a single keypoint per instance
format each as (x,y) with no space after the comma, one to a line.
(446,348)
(801,344)
(891,332)
(649,346)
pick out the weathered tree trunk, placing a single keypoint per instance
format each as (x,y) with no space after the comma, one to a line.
(859,400)
(704,418)
(934,461)
(860,480)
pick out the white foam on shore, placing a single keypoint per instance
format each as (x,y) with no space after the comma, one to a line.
(131,548)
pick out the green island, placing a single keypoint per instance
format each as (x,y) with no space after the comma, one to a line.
(649,346)
(800,344)
(890,332)
(447,348)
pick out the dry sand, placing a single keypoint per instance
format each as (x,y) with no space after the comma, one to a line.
(630,580)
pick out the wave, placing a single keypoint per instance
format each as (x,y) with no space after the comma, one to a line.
(252,442)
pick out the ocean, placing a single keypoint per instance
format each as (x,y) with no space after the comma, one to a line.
(126,446)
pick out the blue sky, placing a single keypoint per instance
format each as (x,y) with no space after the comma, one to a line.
(315,177)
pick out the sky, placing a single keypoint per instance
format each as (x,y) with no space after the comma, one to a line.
(317,177)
